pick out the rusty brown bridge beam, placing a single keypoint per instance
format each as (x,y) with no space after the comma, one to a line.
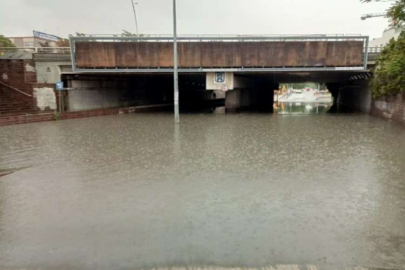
(310,53)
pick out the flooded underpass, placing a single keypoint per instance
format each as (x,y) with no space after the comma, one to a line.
(231,190)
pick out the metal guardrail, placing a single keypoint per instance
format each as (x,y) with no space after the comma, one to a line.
(217,38)
(375,49)
(67,49)
(36,49)
(15,89)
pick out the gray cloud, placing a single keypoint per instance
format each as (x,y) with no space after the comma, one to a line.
(20,17)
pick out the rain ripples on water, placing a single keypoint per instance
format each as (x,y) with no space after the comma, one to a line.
(246,190)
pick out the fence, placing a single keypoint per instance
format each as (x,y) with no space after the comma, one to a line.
(35,50)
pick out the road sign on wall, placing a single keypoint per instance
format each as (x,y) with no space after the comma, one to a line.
(59,86)
(219,77)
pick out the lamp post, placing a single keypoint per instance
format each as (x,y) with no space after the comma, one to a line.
(136,20)
(175,67)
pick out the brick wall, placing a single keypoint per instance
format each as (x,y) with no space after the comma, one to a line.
(19,74)
(43,117)
(390,107)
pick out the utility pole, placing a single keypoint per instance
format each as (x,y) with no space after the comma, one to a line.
(136,20)
(175,67)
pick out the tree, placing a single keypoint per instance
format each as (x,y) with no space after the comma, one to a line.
(396,13)
(5,42)
(389,75)
(45,44)
(81,35)
(126,33)
(78,35)
(64,42)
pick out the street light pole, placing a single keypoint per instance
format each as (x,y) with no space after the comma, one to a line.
(136,20)
(175,67)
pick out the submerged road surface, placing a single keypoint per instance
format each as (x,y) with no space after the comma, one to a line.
(244,190)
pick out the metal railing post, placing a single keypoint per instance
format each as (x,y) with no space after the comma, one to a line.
(72,53)
(366,53)
(175,67)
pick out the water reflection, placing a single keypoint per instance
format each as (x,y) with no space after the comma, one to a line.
(302,107)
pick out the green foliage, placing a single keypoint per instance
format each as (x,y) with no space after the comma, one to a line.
(45,44)
(64,42)
(389,75)
(56,116)
(396,13)
(78,35)
(126,33)
(5,42)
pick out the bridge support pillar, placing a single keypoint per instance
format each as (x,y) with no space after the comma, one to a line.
(240,99)
(233,100)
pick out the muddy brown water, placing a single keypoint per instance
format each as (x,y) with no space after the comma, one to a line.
(242,190)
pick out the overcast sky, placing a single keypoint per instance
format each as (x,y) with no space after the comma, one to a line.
(64,17)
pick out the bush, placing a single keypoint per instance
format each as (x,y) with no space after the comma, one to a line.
(389,74)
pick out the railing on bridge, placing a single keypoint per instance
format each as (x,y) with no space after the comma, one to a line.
(35,49)
(217,38)
(372,51)
(377,50)
(67,49)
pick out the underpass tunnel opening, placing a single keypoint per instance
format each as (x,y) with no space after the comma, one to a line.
(198,92)
(103,91)
(303,98)
(250,92)
(311,92)
(194,95)
(260,91)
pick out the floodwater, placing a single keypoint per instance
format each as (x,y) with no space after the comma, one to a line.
(239,190)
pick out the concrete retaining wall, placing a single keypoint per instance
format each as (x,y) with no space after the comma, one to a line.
(45,98)
(104,94)
(101,92)
(390,107)
(49,72)
(20,74)
(356,95)
(43,117)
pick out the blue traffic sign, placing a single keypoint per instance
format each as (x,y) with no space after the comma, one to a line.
(59,86)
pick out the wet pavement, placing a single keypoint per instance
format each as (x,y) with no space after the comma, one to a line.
(241,190)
